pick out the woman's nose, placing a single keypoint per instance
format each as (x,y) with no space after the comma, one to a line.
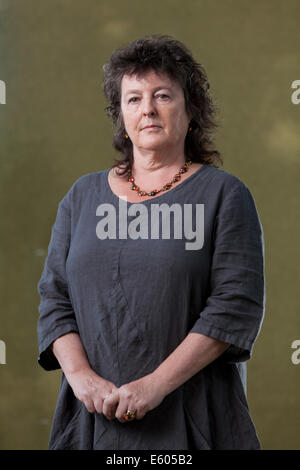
(148,107)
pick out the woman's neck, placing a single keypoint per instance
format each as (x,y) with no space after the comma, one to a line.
(156,165)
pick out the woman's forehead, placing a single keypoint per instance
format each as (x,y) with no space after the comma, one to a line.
(147,79)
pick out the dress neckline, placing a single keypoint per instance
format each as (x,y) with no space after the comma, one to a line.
(160,196)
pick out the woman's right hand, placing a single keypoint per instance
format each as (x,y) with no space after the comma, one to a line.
(90,389)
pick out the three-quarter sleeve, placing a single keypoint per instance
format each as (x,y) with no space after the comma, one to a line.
(57,316)
(235,308)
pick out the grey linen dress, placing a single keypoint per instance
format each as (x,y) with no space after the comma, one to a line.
(134,300)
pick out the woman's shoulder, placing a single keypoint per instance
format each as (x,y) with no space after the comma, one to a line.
(85,183)
(223,181)
(232,193)
(88,179)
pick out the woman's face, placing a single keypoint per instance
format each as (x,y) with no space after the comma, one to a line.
(154,99)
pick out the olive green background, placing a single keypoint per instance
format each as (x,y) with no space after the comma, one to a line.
(53,129)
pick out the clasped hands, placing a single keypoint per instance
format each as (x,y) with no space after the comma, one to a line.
(102,396)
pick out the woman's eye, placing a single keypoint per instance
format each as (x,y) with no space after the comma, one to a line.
(162,96)
(132,100)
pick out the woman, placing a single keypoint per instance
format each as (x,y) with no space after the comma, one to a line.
(152,294)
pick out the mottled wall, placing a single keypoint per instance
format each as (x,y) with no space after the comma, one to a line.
(53,129)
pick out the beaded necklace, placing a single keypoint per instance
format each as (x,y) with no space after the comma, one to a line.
(166,186)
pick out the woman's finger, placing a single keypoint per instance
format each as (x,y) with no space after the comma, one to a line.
(98,404)
(113,410)
(123,408)
(110,404)
(89,406)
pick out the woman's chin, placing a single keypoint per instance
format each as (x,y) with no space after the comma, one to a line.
(152,144)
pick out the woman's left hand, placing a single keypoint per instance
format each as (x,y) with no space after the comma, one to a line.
(141,396)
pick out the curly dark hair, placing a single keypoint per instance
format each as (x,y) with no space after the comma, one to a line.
(163,54)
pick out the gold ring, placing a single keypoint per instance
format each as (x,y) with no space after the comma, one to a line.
(129,415)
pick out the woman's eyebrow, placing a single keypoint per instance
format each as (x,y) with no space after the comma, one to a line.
(154,90)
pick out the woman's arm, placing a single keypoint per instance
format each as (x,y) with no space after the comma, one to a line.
(142,395)
(87,386)
(194,353)
(70,354)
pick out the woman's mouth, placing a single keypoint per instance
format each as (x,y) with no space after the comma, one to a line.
(151,127)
